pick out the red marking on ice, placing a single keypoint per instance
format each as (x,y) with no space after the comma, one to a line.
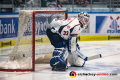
(110,55)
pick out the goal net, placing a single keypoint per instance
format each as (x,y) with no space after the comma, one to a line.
(32,45)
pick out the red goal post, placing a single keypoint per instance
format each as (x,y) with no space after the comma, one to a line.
(26,44)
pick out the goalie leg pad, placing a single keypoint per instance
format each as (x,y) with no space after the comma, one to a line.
(58,59)
(79,62)
(72,44)
(75,60)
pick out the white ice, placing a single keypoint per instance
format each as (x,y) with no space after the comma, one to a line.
(109,63)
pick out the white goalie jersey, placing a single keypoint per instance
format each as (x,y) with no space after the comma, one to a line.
(70,26)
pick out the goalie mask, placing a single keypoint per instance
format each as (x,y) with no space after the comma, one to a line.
(83,18)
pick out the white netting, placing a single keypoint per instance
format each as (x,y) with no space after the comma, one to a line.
(21,56)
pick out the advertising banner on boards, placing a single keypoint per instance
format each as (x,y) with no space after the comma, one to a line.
(8,26)
(108,23)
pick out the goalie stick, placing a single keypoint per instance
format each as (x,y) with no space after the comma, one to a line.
(89,58)
(80,54)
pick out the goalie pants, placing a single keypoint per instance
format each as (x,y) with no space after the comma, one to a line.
(54,37)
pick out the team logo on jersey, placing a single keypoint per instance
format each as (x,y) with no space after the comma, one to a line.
(114,25)
(107,24)
(68,26)
(72,74)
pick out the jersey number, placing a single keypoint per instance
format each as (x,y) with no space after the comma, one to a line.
(65,33)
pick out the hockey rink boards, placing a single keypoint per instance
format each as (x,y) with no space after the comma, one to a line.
(106,68)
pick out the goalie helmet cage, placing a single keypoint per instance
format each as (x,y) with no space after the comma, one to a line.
(25,17)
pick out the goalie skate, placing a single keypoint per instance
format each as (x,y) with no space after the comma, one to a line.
(59,68)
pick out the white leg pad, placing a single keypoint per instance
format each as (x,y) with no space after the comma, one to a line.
(75,60)
(79,62)
(72,44)
(70,59)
